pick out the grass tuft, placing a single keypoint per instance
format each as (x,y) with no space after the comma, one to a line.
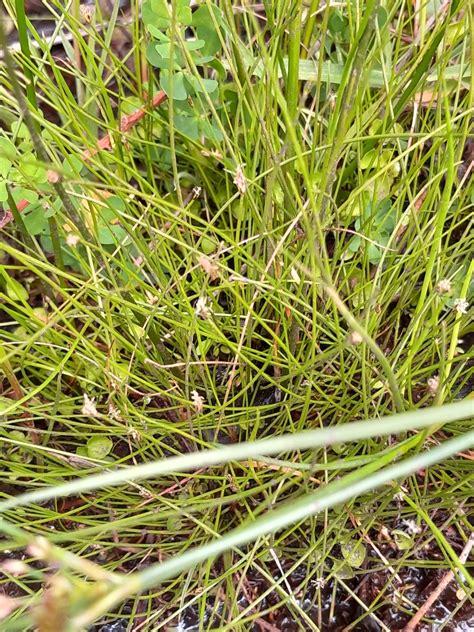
(235,354)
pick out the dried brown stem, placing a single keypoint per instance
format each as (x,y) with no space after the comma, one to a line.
(438,590)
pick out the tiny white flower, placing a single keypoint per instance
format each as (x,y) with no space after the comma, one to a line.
(202,309)
(114,412)
(135,434)
(443,286)
(53,176)
(89,409)
(355,338)
(72,239)
(168,335)
(395,169)
(461,306)
(433,384)
(86,13)
(412,527)
(144,493)
(198,401)
(460,594)
(209,267)
(214,153)
(240,180)
(385,533)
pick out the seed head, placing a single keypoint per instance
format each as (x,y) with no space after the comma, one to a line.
(198,401)
(240,181)
(433,384)
(89,409)
(202,309)
(443,286)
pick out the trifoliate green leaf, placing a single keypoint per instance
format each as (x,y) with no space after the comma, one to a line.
(7,149)
(179,91)
(35,220)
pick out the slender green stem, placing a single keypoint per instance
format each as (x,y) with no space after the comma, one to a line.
(419,70)
(442,540)
(25,49)
(305,440)
(56,243)
(345,110)
(455,334)
(174,163)
(309,505)
(436,243)
(292,85)
(10,373)
(309,27)
(373,346)
(76,8)
(18,219)
(441,215)
(242,75)
(35,136)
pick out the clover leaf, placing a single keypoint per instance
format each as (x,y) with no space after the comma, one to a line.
(159,13)
(180,92)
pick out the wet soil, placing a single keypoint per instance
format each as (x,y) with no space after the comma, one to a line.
(339,604)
